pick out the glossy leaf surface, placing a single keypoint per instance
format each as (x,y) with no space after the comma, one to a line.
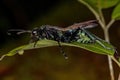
(94,47)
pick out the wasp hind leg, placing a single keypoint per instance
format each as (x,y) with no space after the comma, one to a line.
(99,42)
(62,50)
(97,39)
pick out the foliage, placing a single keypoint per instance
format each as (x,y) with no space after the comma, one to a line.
(94,47)
(28,64)
(96,7)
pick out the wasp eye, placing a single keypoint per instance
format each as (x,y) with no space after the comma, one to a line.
(34,32)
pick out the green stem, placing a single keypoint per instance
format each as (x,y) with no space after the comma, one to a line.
(102,17)
(111,68)
(99,16)
(106,35)
(110,23)
(119,77)
(113,58)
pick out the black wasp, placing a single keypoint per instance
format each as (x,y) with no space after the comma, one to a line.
(76,32)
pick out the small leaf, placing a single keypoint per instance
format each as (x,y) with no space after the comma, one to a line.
(91,4)
(96,6)
(116,13)
(94,47)
(100,4)
(103,4)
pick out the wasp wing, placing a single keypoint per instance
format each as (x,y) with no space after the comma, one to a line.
(87,24)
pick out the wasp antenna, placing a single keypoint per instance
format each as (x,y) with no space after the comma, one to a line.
(19,31)
(23,32)
(16,30)
(8,33)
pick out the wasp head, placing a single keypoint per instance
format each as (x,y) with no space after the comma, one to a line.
(35,32)
(38,33)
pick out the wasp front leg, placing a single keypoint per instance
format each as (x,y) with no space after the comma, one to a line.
(34,39)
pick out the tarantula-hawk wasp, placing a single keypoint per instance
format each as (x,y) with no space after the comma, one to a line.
(76,32)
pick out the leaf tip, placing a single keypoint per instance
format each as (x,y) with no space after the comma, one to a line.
(1,58)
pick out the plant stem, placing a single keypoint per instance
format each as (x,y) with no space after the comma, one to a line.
(106,35)
(113,58)
(99,16)
(110,23)
(102,17)
(119,77)
(111,68)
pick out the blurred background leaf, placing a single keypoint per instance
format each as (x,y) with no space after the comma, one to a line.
(99,4)
(116,13)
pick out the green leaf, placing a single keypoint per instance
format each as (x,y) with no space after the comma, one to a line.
(105,3)
(116,13)
(91,5)
(100,4)
(97,5)
(94,47)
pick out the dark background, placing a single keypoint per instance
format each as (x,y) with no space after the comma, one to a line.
(48,63)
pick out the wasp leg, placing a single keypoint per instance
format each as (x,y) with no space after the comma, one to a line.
(99,39)
(73,35)
(62,50)
(99,42)
(96,39)
(34,40)
(35,43)
(89,34)
(49,35)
